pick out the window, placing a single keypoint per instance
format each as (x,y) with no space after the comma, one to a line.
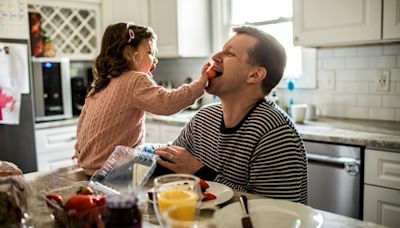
(275,18)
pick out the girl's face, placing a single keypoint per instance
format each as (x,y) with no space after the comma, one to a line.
(145,59)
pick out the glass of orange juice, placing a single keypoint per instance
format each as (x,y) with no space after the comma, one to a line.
(175,189)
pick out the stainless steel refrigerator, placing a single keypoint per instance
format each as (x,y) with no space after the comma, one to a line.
(17,142)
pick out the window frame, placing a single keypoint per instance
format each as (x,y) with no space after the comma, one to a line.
(220,11)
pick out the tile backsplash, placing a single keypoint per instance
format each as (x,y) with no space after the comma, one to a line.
(346,83)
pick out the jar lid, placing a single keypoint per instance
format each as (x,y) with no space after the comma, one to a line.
(122,201)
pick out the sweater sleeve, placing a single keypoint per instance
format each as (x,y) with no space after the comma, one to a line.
(150,97)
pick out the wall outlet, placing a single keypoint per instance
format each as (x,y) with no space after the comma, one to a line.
(382,80)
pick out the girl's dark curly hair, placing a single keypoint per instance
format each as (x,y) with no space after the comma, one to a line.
(117,51)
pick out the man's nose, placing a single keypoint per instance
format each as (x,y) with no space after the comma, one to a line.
(217,57)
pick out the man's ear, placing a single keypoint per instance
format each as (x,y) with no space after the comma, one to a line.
(258,75)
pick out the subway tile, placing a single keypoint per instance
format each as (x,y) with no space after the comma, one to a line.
(352,87)
(398,61)
(333,63)
(394,75)
(323,98)
(355,112)
(391,49)
(391,101)
(369,51)
(344,52)
(369,100)
(326,80)
(320,63)
(344,99)
(382,114)
(357,62)
(355,75)
(372,89)
(397,86)
(331,111)
(397,114)
(383,61)
(325,52)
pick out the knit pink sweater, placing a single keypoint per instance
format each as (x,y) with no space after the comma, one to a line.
(115,116)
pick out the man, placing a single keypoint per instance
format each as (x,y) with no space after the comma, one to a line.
(246,142)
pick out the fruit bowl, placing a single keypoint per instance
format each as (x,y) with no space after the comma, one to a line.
(71,209)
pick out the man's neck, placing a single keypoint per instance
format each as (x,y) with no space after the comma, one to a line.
(236,109)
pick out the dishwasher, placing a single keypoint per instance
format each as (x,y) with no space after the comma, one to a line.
(334,178)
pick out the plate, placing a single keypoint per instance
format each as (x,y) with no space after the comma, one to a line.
(275,213)
(221,191)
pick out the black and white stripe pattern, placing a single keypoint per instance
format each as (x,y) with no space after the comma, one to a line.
(263,155)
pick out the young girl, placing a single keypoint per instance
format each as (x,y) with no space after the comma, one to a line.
(122,91)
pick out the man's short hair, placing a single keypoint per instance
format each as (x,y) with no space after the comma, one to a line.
(267,53)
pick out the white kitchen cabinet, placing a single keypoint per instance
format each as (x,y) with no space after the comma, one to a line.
(382,187)
(74,26)
(55,147)
(152,133)
(391,19)
(161,133)
(169,132)
(343,22)
(136,11)
(182,26)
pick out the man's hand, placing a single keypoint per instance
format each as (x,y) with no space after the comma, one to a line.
(180,160)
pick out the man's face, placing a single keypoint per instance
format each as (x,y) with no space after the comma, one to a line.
(233,62)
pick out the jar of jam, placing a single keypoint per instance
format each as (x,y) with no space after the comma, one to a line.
(123,211)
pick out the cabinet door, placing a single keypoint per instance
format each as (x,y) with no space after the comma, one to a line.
(382,205)
(182,26)
(327,22)
(169,133)
(136,11)
(55,147)
(382,168)
(391,19)
(164,21)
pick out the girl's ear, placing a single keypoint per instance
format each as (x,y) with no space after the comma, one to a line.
(258,75)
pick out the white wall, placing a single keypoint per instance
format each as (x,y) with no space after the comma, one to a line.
(346,83)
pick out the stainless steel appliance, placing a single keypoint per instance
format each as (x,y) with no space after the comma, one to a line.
(52,88)
(334,178)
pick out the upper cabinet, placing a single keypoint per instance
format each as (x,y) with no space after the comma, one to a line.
(73,26)
(343,22)
(183,27)
(125,11)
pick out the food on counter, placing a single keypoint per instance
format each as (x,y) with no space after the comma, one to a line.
(123,211)
(56,198)
(212,73)
(85,190)
(84,208)
(9,169)
(13,195)
(10,212)
(207,196)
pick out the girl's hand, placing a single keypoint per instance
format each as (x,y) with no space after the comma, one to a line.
(179,160)
(204,75)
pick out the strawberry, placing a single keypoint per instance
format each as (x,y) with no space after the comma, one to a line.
(80,203)
(208,196)
(55,198)
(203,185)
(99,200)
(212,73)
(85,190)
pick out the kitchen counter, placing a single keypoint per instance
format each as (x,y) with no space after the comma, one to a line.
(62,177)
(372,134)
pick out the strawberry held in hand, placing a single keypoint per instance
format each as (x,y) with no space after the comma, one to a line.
(212,73)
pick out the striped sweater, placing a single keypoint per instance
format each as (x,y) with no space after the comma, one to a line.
(262,155)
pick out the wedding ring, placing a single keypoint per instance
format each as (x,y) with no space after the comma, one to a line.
(171,156)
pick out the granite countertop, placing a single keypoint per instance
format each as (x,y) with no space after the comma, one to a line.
(372,134)
(62,177)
